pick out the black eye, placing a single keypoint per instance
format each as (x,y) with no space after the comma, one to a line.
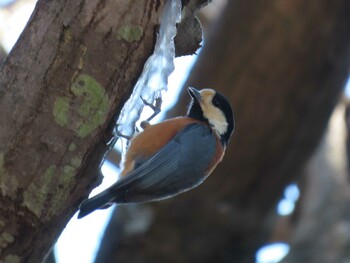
(216,102)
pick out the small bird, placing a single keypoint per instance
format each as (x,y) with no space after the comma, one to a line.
(173,156)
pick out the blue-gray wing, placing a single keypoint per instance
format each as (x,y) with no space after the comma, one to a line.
(179,166)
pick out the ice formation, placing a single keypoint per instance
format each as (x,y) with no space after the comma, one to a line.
(158,67)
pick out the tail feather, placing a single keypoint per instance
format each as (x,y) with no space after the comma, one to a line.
(100,201)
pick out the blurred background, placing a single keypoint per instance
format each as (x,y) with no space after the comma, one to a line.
(282,191)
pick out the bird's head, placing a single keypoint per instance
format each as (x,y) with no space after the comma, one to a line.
(211,106)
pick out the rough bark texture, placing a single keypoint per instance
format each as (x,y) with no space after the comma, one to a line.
(283,65)
(60,87)
(2,55)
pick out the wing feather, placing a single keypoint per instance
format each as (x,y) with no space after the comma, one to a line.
(180,165)
(177,167)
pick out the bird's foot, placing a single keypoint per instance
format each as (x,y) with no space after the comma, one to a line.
(119,134)
(156,110)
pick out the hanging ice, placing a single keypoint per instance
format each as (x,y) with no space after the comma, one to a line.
(158,67)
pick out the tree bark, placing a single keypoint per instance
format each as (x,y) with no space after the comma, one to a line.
(2,55)
(283,65)
(60,89)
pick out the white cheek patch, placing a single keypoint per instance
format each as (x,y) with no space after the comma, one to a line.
(216,118)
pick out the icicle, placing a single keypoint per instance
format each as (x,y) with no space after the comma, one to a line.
(158,67)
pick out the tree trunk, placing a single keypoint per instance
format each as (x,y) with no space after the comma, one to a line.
(283,65)
(2,55)
(320,232)
(60,89)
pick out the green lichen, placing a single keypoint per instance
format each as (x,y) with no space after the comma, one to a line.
(72,147)
(81,63)
(89,109)
(67,172)
(183,12)
(67,36)
(11,259)
(5,239)
(75,162)
(60,110)
(35,196)
(130,33)
(94,104)
(66,178)
(83,49)
(51,188)
(8,183)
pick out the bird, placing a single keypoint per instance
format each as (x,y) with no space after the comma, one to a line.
(173,156)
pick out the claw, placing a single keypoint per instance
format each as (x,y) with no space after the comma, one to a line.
(119,134)
(156,110)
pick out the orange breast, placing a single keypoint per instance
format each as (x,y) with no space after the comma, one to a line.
(219,154)
(153,138)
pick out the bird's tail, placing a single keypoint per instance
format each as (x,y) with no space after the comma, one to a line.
(100,201)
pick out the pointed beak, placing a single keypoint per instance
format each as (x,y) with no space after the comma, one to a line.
(195,94)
